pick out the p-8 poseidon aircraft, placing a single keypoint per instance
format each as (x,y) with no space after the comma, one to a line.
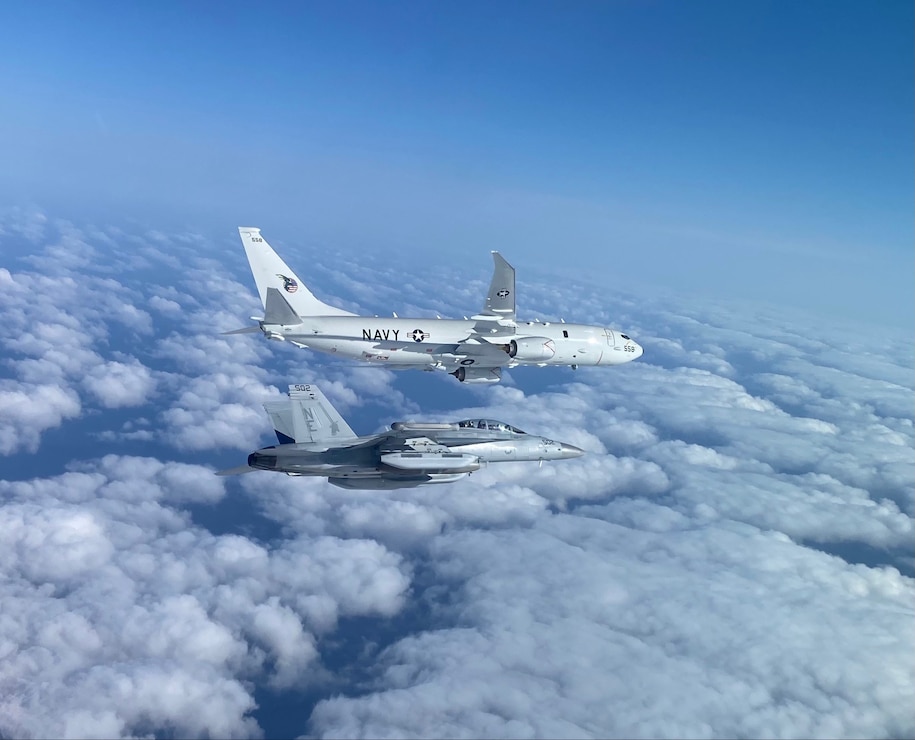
(315,440)
(474,350)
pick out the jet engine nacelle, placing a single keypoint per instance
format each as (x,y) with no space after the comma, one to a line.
(531,349)
(478,374)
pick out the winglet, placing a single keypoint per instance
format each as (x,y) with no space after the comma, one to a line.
(500,301)
(498,314)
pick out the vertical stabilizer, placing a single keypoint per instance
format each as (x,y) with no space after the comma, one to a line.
(280,413)
(307,417)
(270,271)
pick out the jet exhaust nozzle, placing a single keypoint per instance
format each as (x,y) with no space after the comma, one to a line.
(261,461)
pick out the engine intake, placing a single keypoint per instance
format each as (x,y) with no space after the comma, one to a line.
(531,349)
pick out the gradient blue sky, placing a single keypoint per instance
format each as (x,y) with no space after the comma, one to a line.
(757,150)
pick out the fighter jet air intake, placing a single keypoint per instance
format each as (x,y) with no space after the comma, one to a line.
(473,349)
(315,440)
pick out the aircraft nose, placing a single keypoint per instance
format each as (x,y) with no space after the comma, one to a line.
(569,451)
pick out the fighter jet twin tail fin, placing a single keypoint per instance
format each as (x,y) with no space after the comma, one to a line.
(307,417)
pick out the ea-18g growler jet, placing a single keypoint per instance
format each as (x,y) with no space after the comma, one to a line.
(315,440)
(474,350)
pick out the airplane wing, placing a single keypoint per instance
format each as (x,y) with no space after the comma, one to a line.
(498,314)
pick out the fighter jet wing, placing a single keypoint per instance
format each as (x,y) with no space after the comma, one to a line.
(498,314)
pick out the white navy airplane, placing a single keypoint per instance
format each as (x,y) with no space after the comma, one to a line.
(315,440)
(474,350)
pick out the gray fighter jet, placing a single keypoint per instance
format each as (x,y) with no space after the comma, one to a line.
(315,440)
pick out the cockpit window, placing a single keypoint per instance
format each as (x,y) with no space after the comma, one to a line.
(624,336)
(490,424)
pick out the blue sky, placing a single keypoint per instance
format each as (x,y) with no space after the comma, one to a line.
(757,150)
(731,183)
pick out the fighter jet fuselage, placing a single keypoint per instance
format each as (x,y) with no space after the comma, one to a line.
(316,441)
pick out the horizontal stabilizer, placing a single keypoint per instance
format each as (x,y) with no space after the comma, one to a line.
(240,470)
(278,311)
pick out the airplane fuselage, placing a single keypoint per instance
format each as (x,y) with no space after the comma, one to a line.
(474,349)
(453,343)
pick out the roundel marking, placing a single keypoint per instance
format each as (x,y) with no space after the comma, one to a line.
(504,293)
(289,285)
(468,361)
(418,335)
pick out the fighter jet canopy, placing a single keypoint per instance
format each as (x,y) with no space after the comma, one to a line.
(491,424)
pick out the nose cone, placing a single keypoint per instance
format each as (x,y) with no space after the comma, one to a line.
(567,452)
(638,351)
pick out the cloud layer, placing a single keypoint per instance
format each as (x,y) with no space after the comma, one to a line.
(732,558)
